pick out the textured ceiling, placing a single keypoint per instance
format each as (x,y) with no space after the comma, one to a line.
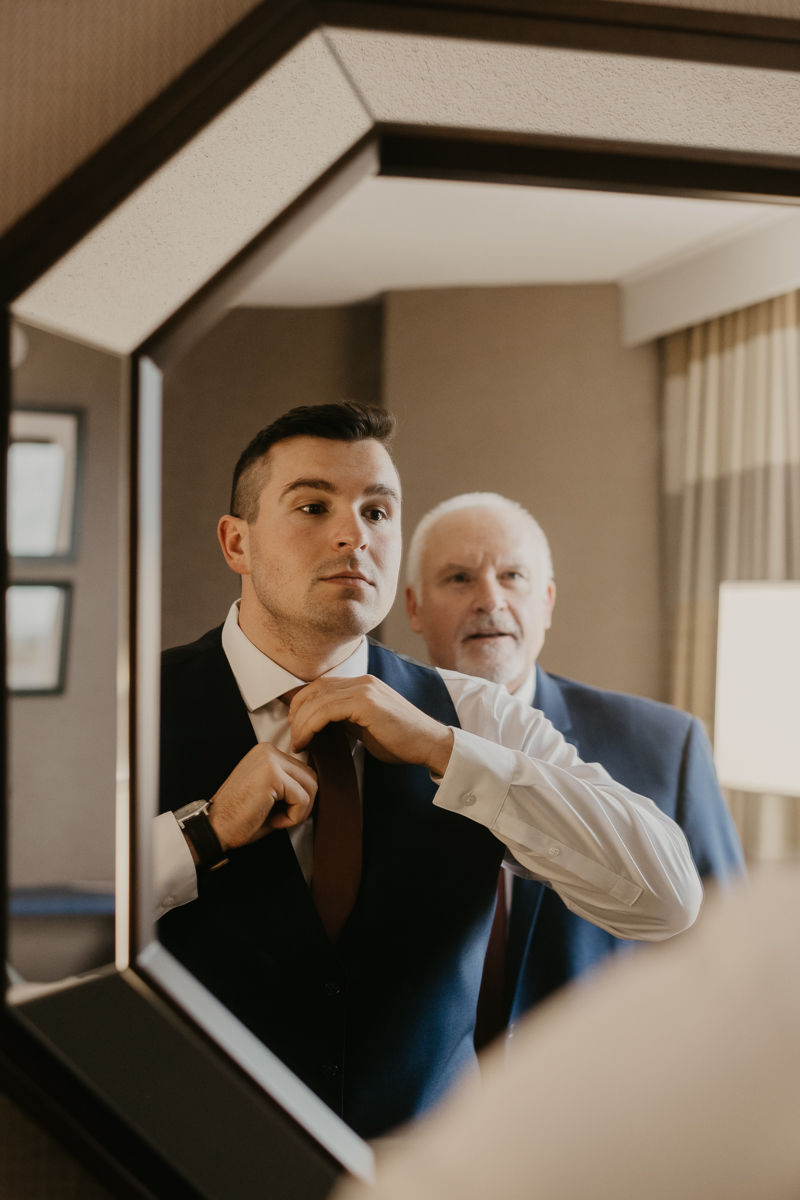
(168,238)
(74,72)
(388,234)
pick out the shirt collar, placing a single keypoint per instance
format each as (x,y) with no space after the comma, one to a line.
(261,680)
(527,689)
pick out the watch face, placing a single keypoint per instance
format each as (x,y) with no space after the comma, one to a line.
(190,810)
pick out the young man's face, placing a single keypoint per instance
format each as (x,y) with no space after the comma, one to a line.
(482,603)
(324,552)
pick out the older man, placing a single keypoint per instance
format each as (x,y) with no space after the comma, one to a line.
(481,592)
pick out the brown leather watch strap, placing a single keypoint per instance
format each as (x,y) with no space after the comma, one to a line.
(205,842)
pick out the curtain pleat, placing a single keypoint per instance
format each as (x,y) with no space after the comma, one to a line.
(731,504)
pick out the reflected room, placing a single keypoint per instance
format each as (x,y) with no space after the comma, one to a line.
(609,361)
(63,493)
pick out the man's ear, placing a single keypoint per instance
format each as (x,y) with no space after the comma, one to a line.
(412,608)
(234,537)
(549,604)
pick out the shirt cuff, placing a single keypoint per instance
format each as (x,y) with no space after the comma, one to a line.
(477,778)
(174,874)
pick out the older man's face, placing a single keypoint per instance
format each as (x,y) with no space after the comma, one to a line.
(482,603)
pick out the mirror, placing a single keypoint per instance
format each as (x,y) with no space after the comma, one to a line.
(515,332)
(408,328)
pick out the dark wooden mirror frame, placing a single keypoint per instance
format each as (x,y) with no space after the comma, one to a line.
(145,1142)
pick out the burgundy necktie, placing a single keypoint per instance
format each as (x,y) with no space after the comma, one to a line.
(336,873)
(492,1016)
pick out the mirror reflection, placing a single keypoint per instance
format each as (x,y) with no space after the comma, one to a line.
(62,655)
(357,882)
(554,451)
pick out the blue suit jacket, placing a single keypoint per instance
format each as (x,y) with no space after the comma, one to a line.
(656,751)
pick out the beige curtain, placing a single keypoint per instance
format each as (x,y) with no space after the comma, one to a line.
(731,478)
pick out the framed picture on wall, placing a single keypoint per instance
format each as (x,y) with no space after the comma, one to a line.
(44,460)
(37,621)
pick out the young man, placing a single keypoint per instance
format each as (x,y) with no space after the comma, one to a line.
(353,943)
(481,592)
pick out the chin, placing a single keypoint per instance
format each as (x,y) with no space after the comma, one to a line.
(489,665)
(348,618)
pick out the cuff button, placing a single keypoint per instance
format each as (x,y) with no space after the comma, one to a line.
(470,799)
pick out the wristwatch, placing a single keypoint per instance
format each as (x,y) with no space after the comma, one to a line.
(193,820)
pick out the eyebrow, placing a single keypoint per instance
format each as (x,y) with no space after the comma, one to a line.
(318,485)
(452,566)
(324,485)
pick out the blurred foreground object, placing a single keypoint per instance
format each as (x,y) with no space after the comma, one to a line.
(677,1074)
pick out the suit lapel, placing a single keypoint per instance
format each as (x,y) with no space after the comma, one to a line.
(205,726)
(549,700)
(222,735)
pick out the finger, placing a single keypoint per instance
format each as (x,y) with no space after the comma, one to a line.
(316,714)
(296,795)
(295,808)
(291,817)
(323,688)
(299,771)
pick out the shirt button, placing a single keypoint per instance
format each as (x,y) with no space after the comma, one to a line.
(331,1070)
(332,988)
(470,799)
(554,851)
(169,899)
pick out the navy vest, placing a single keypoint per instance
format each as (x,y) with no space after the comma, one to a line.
(381,1025)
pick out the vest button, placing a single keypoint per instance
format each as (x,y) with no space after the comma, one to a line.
(330,1069)
(332,988)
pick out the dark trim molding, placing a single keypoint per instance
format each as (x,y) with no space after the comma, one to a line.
(226,1139)
(82,1123)
(581,163)
(96,187)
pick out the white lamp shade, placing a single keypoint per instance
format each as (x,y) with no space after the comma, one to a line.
(757,724)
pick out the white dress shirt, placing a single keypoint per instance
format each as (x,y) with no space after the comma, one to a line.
(612,856)
(526,692)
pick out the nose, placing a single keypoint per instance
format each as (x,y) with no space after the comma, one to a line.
(351,532)
(489,596)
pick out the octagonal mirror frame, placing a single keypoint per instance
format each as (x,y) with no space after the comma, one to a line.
(96,1092)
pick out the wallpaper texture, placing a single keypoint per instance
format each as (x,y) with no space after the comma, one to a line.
(73,72)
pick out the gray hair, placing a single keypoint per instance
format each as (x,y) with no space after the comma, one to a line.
(473,500)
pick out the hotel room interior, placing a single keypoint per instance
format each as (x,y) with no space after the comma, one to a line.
(610,337)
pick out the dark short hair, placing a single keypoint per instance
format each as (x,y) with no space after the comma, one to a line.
(345,422)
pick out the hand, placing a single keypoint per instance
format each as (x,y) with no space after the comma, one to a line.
(267,790)
(390,727)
